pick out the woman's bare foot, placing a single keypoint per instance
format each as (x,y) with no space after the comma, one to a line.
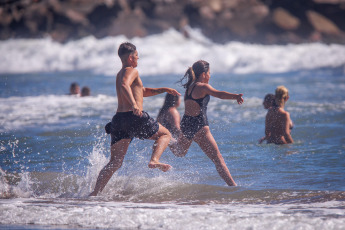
(161,166)
(93,193)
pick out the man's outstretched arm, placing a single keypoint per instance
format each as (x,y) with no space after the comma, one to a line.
(148,92)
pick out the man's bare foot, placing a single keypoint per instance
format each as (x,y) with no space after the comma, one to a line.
(161,166)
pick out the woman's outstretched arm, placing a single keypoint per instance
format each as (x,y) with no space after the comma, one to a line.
(208,89)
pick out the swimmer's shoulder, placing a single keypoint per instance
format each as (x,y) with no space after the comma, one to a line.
(201,85)
(127,75)
(284,114)
(203,89)
(127,71)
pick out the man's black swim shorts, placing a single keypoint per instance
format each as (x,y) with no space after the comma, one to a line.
(126,125)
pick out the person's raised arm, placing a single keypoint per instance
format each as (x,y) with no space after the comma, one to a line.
(127,80)
(286,125)
(148,92)
(208,89)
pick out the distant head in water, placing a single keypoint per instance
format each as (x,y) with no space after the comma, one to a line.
(74,89)
(85,91)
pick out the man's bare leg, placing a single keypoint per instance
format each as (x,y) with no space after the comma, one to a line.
(162,139)
(208,144)
(118,152)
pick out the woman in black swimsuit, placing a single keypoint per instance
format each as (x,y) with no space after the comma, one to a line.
(194,124)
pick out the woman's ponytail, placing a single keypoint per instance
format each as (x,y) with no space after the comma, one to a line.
(194,72)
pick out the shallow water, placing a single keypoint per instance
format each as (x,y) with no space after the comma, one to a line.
(52,145)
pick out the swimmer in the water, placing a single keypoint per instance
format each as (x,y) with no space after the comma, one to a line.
(278,123)
(169,116)
(269,101)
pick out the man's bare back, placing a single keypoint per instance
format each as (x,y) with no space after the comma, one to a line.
(278,126)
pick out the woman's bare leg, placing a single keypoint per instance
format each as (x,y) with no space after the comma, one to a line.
(118,152)
(207,143)
(162,139)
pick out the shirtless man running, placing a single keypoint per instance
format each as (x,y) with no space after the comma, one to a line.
(130,120)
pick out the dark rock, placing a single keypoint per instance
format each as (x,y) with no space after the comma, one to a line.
(260,21)
(285,20)
(322,24)
(128,23)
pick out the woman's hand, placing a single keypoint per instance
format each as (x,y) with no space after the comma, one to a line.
(239,99)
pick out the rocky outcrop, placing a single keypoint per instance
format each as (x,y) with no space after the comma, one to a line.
(260,21)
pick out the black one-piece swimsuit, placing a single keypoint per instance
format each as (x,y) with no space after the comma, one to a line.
(190,125)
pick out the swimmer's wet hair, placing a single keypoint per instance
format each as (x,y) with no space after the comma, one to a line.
(170,101)
(126,48)
(270,99)
(194,72)
(281,94)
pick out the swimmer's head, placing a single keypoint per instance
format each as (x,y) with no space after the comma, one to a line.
(194,72)
(269,101)
(85,91)
(171,101)
(281,96)
(74,88)
(125,50)
(200,67)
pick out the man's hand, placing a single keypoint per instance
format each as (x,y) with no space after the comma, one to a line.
(136,110)
(172,91)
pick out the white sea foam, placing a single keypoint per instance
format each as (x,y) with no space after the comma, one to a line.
(169,52)
(96,214)
(38,111)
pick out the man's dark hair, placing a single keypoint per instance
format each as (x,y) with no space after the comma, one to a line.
(126,48)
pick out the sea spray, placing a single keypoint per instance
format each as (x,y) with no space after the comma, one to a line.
(97,160)
(15,185)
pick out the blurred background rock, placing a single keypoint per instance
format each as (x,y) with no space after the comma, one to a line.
(259,21)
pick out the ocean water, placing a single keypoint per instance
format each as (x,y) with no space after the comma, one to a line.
(52,146)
